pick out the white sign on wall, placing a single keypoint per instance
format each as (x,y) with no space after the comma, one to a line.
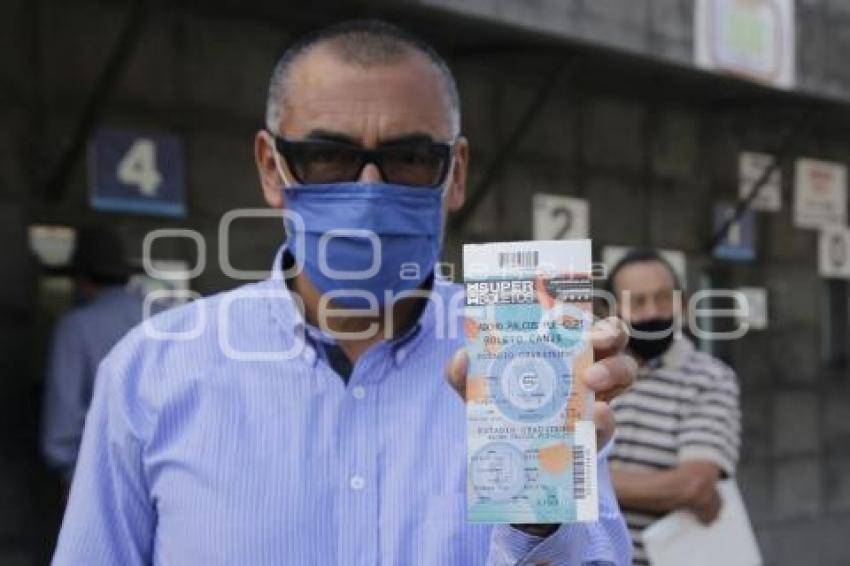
(751,167)
(756,312)
(752,39)
(834,252)
(820,193)
(53,245)
(677,259)
(172,289)
(557,217)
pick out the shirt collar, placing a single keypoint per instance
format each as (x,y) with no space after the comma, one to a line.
(286,309)
(677,353)
(400,345)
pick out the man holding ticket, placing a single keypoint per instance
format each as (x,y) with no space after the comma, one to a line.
(307,419)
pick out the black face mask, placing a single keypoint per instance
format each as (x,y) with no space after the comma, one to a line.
(647,348)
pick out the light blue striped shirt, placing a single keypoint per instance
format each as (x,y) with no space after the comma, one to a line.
(232,442)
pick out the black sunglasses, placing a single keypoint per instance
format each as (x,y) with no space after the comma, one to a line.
(415,163)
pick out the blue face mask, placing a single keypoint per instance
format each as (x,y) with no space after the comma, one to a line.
(362,238)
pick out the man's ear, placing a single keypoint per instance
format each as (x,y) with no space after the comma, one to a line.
(457,184)
(270,180)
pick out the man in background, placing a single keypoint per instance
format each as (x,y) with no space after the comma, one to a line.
(106,311)
(678,427)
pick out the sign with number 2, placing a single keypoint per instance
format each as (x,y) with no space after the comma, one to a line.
(557,217)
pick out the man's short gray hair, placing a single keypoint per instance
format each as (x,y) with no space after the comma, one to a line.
(365,43)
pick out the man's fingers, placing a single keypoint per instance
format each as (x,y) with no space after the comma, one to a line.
(708,511)
(456,372)
(609,336)
(603,418)
(611,376)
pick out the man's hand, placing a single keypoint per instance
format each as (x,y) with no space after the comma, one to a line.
(707,508)
(691,485)
(611,374)
(701,495)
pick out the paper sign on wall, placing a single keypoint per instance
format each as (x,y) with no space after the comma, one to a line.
(751,167)
(752,39)
(820,193)
(53,245)
(834,252)
(557,217)
(171,290)
(756,314)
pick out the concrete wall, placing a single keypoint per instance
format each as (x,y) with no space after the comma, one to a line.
(650,157)
(663,30)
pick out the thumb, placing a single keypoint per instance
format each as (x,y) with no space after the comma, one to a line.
(456,372)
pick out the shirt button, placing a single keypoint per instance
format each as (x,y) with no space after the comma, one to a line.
(309,355)
(400,355)
(358,392)
(357,483)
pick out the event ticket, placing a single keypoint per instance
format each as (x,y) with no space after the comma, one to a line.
(531,442)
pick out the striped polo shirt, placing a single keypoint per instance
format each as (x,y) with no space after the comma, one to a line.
(683,406)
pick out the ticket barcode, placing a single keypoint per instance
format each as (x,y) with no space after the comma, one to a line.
(518,259)
(579,472)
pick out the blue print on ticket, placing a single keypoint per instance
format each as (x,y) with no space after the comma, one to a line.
(531,443)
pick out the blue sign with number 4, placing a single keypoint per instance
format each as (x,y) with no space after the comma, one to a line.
(138,173)
(739,243)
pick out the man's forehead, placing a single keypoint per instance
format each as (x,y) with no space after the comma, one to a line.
(401,96)
(644,276)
